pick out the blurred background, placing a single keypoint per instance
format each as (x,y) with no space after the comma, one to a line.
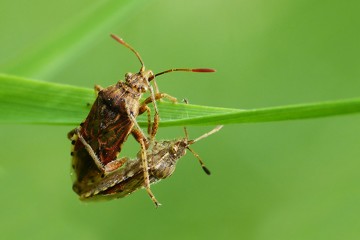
(281,180)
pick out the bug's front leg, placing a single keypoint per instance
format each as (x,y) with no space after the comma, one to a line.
(146,109)
(143,107)
(136,125)
(145,166)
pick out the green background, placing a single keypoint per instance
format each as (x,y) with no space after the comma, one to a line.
(283,180)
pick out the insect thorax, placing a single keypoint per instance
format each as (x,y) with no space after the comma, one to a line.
(163,157)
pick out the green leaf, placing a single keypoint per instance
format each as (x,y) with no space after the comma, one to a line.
(29,101)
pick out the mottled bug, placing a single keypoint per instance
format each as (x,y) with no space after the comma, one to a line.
(162,158)
(98,140)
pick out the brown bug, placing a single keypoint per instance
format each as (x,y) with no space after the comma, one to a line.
(162,157)
(98,140)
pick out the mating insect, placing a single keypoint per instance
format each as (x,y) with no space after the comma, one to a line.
(162,157)
(97,142)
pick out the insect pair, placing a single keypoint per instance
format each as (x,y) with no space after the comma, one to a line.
(97,142)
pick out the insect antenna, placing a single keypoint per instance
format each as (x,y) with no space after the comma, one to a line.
(202,70)
(120,40)
(179,70)
(216,129)
(186,70)
(206,170)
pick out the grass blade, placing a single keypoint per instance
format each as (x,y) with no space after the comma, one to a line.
(29,101)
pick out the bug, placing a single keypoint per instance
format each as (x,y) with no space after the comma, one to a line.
(97,142)
(162,157)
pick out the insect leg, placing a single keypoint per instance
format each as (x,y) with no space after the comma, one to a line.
(144,107)
(156,112)
(145,166)
(71,133)
(90,151)
(98,88)
(148,111)
(101,185)
(138,129)
(115,164)
(159,96)
(156,86)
